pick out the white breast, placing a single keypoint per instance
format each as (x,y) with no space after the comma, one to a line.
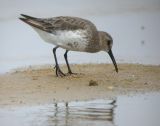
(71,40)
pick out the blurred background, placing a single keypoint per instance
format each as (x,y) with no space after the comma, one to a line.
(134,26)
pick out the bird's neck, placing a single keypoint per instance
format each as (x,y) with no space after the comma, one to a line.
(101,40)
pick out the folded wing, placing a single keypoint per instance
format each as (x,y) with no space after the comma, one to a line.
(57,23)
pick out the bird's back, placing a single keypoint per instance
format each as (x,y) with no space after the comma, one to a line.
(69,23)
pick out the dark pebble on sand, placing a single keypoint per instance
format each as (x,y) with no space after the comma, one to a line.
(93,83)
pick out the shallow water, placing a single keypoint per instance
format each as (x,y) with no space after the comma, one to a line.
(137,110)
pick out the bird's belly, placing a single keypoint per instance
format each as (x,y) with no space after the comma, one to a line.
(71,40)
(74,44)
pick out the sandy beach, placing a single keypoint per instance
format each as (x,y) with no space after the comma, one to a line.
(36,86)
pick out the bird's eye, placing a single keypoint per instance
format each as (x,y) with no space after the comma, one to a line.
(109,42)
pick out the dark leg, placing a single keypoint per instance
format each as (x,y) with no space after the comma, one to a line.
(58,71)
(66,104)
(66,59)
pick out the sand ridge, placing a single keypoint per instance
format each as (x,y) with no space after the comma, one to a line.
(41,86)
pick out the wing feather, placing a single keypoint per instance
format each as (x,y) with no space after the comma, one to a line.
(57,23)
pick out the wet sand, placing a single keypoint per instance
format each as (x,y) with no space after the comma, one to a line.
(36,86)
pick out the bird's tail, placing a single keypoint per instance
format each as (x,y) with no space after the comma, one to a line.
(32,21)
(39,23)
(28,17)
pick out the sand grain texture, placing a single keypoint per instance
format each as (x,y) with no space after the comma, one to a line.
(41,86)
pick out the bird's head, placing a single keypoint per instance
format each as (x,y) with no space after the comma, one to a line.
(106,43)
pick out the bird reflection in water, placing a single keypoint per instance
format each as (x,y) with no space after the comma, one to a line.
(97,112)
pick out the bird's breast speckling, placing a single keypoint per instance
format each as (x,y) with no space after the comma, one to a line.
(72,40)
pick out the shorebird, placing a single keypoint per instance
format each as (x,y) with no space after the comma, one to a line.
(71,34)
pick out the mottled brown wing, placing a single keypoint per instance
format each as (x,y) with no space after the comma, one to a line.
(57,23)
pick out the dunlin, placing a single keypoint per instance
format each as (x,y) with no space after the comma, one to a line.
(71,34)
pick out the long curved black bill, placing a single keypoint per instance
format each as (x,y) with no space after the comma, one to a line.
(113,60)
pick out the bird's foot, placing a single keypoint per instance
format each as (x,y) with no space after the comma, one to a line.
(71,73)
(59,73)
